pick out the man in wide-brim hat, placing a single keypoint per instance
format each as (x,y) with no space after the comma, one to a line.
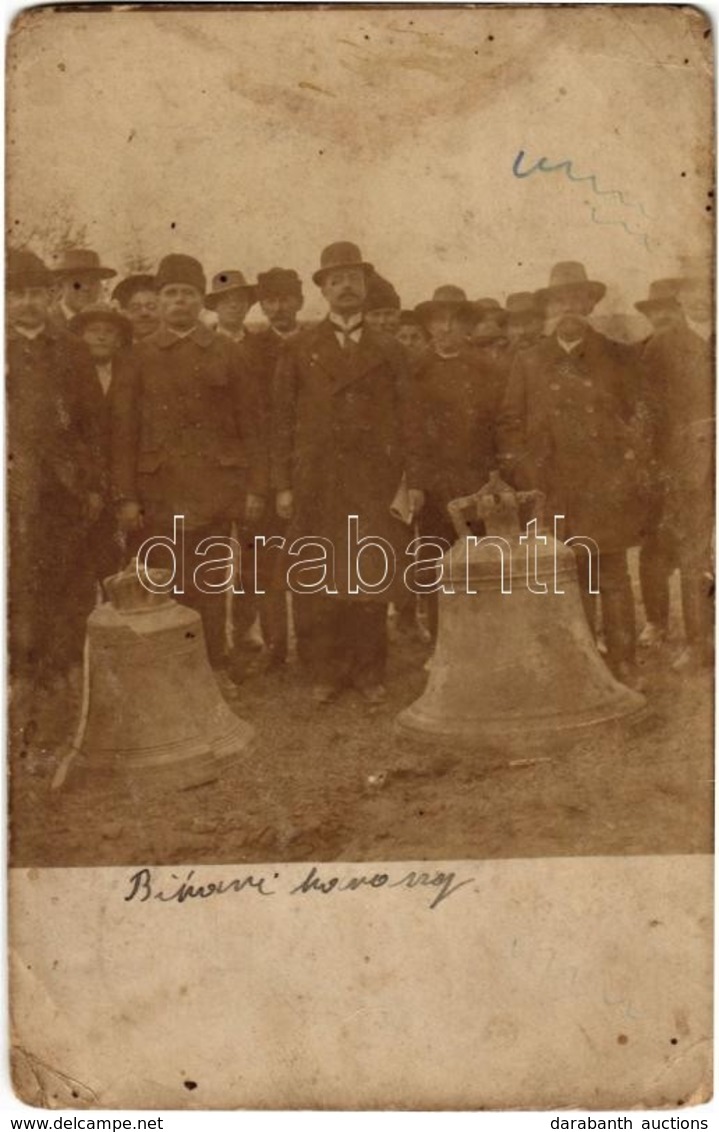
(231,297)
(137,298)
(79,274)
(568,430)
(342,440)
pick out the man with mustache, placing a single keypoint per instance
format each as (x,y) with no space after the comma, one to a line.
(567,429)
(343,437)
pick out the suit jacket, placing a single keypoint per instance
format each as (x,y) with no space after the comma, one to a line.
(343,434)
(185,428)
(568,428)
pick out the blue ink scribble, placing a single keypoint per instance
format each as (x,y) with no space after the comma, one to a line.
(565,166)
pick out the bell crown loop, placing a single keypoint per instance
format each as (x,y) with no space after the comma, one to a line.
(128,594)
(496,504)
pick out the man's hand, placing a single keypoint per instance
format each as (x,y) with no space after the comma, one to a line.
(284,504)
(254,506)
(129,515)
(94,506)
(416,501)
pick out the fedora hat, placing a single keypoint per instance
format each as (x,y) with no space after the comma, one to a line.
(24,269)
(521,306)
(381,295)
(571,275)
(178,268)
(72,262)
(448,297)
(278,281)
(226,283)
(128,287)
(662,293)
(102,312)
(339,255)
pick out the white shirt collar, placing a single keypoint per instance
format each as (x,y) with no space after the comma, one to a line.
(69,314)
(346,325)
(182,333)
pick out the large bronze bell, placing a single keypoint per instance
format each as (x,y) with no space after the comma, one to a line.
(154,706)
(514,665)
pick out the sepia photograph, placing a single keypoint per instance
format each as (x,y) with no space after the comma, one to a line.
(360,465)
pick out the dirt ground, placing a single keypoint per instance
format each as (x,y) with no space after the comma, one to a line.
(333,783)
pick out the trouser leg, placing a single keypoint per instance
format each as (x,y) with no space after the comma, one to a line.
(656,565)
(618,614)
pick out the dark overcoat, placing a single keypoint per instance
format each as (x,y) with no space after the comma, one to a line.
(186,432)
(458,401)
(344,434)
(679,392)
(568,428)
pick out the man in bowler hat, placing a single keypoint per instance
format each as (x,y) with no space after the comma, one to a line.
(185,435)
(568,429)
(342,440)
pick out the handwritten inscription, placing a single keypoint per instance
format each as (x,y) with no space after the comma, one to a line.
(147,884)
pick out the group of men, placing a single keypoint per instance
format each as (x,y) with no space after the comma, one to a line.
(125,414)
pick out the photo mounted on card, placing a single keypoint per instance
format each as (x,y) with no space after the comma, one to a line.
(360,507)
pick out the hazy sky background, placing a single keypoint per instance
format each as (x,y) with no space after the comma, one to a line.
(252,139)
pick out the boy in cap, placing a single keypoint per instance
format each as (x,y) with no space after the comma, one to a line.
(412,335)
(186,432)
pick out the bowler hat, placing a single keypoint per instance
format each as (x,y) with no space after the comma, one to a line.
(225,283)
(128,287)
(662,294)
(522,306)
(24,269)
(339,255)
(81,261)
(448,297)
(381,295)
(278,281)
(571,275)
(178,268)
(102,312)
